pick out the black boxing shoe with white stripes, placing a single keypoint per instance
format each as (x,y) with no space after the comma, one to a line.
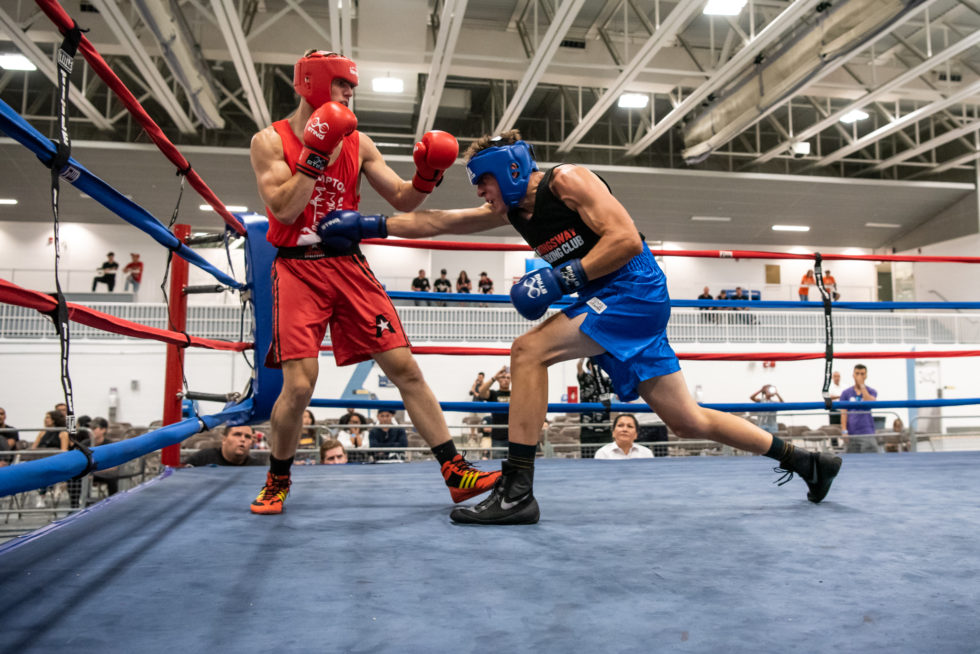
(511,502)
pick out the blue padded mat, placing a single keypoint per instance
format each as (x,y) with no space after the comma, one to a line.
(698,554)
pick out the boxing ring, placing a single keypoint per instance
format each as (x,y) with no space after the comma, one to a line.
(692,554)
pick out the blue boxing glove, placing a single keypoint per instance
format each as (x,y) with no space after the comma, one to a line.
(342,228)
(538,290)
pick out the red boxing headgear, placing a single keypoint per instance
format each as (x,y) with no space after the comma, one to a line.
(315,73)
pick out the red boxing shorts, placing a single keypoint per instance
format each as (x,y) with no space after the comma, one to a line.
(342,292)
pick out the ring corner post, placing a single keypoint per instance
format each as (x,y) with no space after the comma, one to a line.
(173,382)
(259,256)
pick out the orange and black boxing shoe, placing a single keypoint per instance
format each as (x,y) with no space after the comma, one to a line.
(466,481)
(273,495)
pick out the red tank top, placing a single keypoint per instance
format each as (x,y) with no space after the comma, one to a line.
(335,188)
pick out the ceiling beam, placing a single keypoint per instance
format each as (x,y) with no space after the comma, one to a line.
(744,57)
(900,123)
(45,64)
(942,139)
(542,57)
(892,85)
(669,28)
(230,26)
(450,22)
(130,43)
(952,163)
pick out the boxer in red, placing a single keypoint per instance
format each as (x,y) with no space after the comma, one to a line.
(307,165)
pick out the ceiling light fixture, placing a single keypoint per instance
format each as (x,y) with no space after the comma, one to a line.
(16,62)
(712,219)
(853,116)
(8,201)
(723,7)
(790,228)
(387,84)
(633,101)
(883,225)
(229,207)
(800,149)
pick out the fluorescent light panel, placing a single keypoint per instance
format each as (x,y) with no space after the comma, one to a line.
(790,228)
(883,225)
(229,207)
(723,7)
(387,85)
(16,62)
(633,101)
(801,148)
(853,116)
(712,219)
(8,201)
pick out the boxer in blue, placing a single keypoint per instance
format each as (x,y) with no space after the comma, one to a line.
(572,220)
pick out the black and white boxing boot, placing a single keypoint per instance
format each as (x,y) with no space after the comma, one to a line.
(511,502)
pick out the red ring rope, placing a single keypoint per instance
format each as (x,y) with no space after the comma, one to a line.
(22,297)
(64,22)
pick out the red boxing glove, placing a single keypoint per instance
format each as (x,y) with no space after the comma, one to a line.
(433,155)
(324,130)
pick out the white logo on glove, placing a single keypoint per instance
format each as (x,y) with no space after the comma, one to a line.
(317,128)
(535,287)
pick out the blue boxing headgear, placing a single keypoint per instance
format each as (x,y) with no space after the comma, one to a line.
(511,165)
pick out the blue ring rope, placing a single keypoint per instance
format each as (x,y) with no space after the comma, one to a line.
(60,467)
(495,298)
(24,133)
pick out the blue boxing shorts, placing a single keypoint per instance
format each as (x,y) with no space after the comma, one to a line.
(626,312)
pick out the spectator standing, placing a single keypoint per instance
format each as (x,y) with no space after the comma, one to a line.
(463,283)
(442,285)
(768,420)
(485,284)
(332,452)
(591,386)
(386,434)
(107,273)
(421,283)
(805,284)
(133,272)
(830,284)
(859,423)
(625,430)
(835,391)
(235,450)
(501,394)
(475,388)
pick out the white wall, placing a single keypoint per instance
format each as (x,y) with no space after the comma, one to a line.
(957,282)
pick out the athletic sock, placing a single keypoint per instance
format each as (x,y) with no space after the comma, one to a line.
(789,456)
(521,456)
(445,452)
(280,466)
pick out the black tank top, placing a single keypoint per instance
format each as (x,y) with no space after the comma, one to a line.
(556,233)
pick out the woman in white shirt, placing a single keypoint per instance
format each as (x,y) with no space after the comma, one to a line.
(625,430)
(354,437)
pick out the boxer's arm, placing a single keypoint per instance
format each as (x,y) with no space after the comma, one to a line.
(585,193)
(285,194)
(399,193)
(421,224)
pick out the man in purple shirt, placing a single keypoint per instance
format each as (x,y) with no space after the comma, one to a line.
(859,423)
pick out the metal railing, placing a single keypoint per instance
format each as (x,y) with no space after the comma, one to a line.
(502,324)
